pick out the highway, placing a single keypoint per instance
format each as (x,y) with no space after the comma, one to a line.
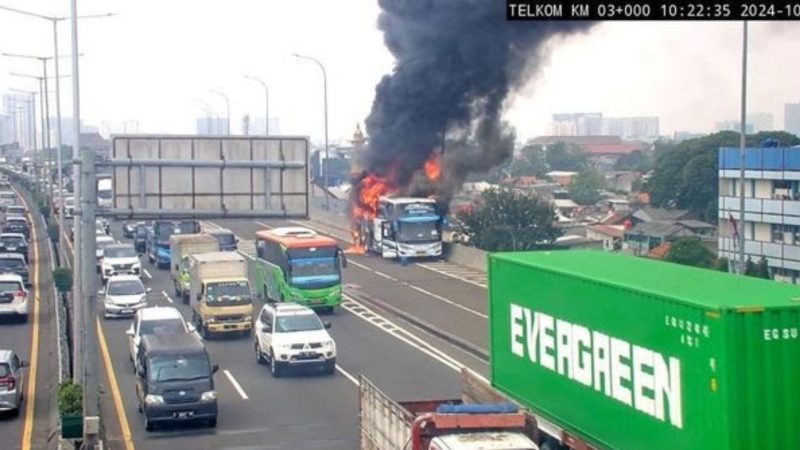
(35,342)
(307,410)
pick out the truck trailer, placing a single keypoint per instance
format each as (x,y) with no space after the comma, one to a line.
(625,353)
(481,419)
(181,247)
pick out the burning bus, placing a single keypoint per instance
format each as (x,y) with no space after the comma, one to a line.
(404,227)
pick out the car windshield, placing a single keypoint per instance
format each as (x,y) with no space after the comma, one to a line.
(141,231)
(102,244)
(418,231)
(10,286)
(179,368)
(235,292)
(119,252)
(11,240)
(7,195)
(11,263)
(299,322)
(15,210)
(126,287)
(226,238)
(162,326)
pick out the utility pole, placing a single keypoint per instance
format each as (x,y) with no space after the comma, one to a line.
(88,199)
(742,143)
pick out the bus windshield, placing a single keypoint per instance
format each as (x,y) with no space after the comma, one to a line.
(314,269)
(418,231)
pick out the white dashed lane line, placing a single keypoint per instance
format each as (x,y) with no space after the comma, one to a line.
(236,385)
(147,274)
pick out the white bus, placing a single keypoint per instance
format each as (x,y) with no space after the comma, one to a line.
(405,227)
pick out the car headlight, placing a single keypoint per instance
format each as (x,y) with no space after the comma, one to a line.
(284,346)
(248,318)
(211,319)
(208,396)
(153,400)
(328,344)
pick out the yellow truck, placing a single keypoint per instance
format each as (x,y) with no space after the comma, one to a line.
(220,294)
(181,247)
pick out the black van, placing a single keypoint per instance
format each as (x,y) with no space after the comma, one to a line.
(175,381)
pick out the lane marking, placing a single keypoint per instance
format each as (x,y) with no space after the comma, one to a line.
(442,272)
(265,225)
(166,296)
(381,274)
(30,395)
(236,385)
(112,381)
(400,333)
(449,302)
(147,274)
(347,374)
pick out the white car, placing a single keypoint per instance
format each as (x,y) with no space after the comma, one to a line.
(123,296)
(291,335)
(102,241)
(151,320)
(120,259)
(13,297)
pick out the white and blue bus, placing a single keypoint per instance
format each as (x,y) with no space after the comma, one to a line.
(405,227)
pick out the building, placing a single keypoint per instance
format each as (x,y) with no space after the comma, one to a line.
(577,124)
(659,215)
(772,208)
(257,127)
(610,235)
(632,128)
(646,236)
(791,118)
(562,177)
(761,122)
(209,126)
(733,125)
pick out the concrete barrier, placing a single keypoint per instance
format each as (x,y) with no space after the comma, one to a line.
(336,218)
(466,256)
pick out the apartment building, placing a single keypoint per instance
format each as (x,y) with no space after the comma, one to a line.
(771,211)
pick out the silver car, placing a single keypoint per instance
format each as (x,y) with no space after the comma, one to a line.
(12,383)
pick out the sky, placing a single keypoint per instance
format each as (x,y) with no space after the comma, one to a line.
(155,61)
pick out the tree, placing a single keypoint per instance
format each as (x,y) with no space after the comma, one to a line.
(762,269)
(585,187)
(568,158)
(506,220)
(636,160)
(686,174)
(690,251)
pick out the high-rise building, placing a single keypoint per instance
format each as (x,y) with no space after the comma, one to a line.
(211,126)
(733,125)
(791,118)
(594,124)
(772,208)
(761,122)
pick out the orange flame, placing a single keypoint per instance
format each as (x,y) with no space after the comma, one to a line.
(370,189)
(433,167)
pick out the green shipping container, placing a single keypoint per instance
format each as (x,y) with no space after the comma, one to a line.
(630,353)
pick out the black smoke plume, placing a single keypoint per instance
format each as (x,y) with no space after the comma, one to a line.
(457,62)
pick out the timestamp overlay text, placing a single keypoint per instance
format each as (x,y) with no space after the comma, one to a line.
(522,10)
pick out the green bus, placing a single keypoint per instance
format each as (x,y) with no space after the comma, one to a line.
(295,264)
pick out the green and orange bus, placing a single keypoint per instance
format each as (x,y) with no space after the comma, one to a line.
(296,264)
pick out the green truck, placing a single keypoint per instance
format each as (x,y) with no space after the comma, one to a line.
(612,351)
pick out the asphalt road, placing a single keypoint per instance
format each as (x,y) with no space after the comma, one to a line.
(33,427)
(303,411)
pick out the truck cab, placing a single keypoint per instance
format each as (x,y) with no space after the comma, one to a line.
(157,243)
(220,294)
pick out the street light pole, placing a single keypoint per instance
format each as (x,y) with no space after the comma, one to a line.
(228,106)
(742,156)
(325,102)
(266,101)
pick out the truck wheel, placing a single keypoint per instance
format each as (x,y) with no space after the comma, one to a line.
(204,331)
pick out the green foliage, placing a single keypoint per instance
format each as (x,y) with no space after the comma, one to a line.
(560,156)
(62,277)
(721,264)
(506,220)
(686,174)
(585,187)
(70,399)
(636,160)
(757,270)
(690,251)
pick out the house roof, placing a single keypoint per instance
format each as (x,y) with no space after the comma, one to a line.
(561,173)
(564,203)
(660,252)
(696,224)
(654,214)
(615,218)
(663,229)
(607,230)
